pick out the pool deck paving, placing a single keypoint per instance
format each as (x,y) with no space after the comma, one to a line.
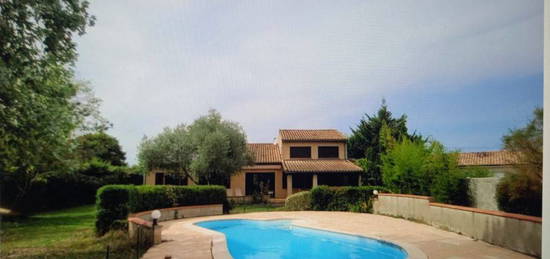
(182,239)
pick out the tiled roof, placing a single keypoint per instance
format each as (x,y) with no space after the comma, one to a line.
(262,167)
(331,135)
(488,158)
(265,152)
(320,166)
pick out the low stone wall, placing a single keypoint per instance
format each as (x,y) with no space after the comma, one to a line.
(513,231)
(143,219)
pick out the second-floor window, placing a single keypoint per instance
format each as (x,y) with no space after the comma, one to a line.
(300,152)
(328,152)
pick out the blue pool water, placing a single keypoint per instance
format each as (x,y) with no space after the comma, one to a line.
(281,239)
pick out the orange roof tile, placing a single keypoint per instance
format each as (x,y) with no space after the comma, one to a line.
(262,167)
(488,158)
(320,166)
(265,153)
(330,135)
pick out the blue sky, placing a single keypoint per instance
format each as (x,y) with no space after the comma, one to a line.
(464,72)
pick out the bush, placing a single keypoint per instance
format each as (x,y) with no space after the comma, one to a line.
(349,198)
(404,168)
(115,202)
(519,193)
(416,168)
(451,186)
(298,201)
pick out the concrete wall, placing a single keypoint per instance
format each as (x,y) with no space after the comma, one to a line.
(483,192)
(513,231)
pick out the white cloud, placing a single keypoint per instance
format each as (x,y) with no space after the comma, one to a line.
(290,64)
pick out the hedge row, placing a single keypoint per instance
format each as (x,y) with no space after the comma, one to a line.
(350,198)
(115,202)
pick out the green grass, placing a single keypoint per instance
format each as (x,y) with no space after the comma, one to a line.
(245,208)
(70,233)
(67,233)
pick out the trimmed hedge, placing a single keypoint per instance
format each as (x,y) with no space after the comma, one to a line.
(349,198)
(298,201)
(115,202)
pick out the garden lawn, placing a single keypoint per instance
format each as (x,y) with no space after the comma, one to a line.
(245,208)
(67,233)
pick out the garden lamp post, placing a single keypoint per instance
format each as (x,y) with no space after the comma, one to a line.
(155,215)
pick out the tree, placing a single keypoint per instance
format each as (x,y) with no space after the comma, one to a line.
(417,167)
(38,112)
(403,168)
(522,192)
(101,146)
(526,143)
(370,139)
(207,151)
(170,150)
(220,148)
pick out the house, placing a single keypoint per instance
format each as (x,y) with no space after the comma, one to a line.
(297,160)
(499,162)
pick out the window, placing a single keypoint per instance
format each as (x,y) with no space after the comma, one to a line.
(159,178)
(284,180)
(300,152)
(339,179)
(328,152)
(302,181)
(175,179)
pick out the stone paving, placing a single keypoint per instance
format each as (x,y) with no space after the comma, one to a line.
(182,239)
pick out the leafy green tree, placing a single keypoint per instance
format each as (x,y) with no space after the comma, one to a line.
(208,151)
(220,148)
(526,143)
(403,168)
(416,167)
(38,110)
(170,150)
(101,146)
(372,137)
(522,192)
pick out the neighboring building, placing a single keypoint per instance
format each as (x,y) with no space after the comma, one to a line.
(298,160)
(483,190)
(499,162)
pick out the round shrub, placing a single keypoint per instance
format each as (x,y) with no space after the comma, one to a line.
(298,201)
(519,193)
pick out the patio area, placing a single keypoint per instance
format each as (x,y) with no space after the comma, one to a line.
(182,239)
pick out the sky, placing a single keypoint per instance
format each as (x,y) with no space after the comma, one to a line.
(464,72)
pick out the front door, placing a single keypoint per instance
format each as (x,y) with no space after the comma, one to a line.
(255,182)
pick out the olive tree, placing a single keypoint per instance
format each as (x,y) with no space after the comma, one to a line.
(208,151)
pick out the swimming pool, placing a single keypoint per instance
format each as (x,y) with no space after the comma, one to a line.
(281,239)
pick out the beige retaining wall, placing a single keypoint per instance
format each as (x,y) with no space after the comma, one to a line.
(513,231)
(143,219)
